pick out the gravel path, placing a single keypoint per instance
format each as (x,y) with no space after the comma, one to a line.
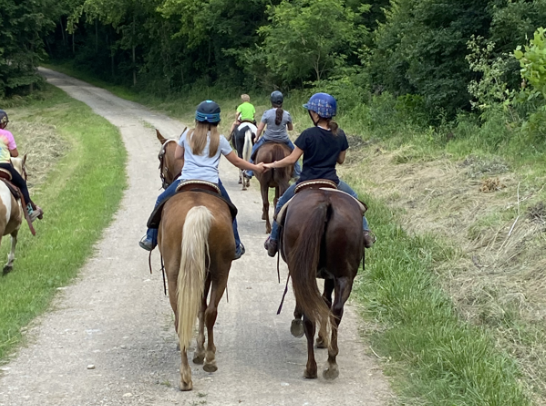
(109,338)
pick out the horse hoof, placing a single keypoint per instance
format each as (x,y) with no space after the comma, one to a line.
(198,359)
(330,373)
(296,328)
(186,386)
(240,181)
(310,375)
(7,269)
(211,367)
(321,343)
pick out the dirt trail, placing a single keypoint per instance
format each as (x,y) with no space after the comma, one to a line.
(116,318)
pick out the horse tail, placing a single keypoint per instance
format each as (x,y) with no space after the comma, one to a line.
(247,146)
(192,272)
(304,260)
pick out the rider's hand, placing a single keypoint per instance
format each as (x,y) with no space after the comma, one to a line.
(260,168)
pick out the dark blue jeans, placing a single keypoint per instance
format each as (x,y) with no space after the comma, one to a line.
(289,194)
(262,141)
(151,234)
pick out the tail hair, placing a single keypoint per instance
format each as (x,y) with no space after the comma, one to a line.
(192,273)
(247,146)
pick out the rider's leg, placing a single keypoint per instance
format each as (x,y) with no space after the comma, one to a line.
(271,244)
(255,147)
(369,239)
(239,247)
(149,242)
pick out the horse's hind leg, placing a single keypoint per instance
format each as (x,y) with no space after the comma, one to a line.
(296,328)
(265,209)
(11,256)
(199,354)
(218,288)
(185,372)
(311,367)
(343,290)
(322,339)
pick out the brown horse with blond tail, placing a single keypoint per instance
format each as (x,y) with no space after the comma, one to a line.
(322,237)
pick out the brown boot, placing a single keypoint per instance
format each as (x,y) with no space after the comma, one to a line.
(369,239)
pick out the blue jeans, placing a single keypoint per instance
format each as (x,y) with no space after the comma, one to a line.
(289,194)
(262,141)
(151,234)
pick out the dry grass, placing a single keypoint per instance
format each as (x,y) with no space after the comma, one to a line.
(497,278)
(41,142)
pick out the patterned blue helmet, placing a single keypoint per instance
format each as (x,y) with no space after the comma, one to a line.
(208,112)
(323,104)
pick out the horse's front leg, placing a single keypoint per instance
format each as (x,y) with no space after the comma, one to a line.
(276,198)
(322,339)
(265,208)
(343,288)
(11,256)
(241,179)
(311,367)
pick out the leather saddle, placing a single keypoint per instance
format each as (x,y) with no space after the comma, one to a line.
(5,176)
(199,186)
(322,184)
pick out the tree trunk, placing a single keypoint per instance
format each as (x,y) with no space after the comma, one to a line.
(134,51)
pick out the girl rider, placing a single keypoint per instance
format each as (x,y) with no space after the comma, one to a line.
(8,149)
(322,147)
(200,148)
(277,121)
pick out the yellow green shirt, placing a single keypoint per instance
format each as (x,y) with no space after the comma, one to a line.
(247,111)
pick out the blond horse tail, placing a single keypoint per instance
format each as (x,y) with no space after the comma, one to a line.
(191,276)
(247,146)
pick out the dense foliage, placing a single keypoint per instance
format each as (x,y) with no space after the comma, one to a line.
(417,51)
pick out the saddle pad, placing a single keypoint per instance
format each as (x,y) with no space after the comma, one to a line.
(316,184)
(155,217)
(5,174)
(12,188)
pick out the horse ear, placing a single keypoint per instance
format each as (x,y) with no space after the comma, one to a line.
(160,137)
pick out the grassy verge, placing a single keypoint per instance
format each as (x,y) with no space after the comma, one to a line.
(435,354)
(79,195)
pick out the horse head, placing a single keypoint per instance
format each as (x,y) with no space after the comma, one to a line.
(169,168)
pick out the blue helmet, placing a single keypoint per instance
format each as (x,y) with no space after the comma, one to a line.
(208,112)
(3,117)
(277,97)
(323,104)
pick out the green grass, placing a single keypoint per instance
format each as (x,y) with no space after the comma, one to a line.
(434,356)
(79,198)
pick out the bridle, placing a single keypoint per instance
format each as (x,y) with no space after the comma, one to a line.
(166,177)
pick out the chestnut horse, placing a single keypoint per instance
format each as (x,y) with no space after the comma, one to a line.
(277,178)
(197,244)
(169,169)
(11,213)
(321,237)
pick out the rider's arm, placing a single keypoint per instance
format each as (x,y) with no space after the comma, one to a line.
(179,152)
(341,157)
(14,153)
(242,164)
(289,160)
(261,127)
(290,126)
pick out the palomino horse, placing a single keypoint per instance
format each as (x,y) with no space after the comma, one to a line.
(277,178)
(243,141)
(11,213)
(169,168)
(322,237)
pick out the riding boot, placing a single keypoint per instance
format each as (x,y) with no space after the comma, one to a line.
(37,209)
(369,239)
(271,246)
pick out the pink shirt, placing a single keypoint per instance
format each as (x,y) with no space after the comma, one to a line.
(7,143)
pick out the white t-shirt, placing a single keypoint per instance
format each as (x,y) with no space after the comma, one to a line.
(202,166)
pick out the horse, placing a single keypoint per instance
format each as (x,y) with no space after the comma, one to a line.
(11,213)
(169,168)
(277,178)
(196,242)
(322,236)
(243,139)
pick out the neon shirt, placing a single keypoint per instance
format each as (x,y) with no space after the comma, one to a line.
(247,111)
(7,143)
(202,166)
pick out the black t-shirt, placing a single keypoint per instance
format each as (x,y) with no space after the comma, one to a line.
(320,149)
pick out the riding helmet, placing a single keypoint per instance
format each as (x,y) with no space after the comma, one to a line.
(323,104)
(208,112)
(277,97)
(3,117)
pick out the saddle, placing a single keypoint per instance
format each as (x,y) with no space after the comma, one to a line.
(323,184)
(200,186)
(5,177)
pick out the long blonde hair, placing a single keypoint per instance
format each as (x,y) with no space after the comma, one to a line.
(197,138)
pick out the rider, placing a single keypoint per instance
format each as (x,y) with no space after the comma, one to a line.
(245,112)
(322,147)
(277,121)
(8,149)
(200,149)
